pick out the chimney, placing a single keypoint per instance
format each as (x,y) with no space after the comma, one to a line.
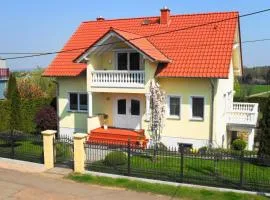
(164,15)
(100,18)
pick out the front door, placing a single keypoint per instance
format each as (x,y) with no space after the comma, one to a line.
(128,113)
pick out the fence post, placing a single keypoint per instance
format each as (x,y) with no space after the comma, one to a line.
(182,163)
(128,157)
(12,144)
(241,169)
(48,137)
(79,152)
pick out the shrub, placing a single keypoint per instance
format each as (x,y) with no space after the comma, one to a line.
(203,150)
(116,158)
(29,90)
(239,145)
(15,104)
(29,108)
(46,118)
(264,148)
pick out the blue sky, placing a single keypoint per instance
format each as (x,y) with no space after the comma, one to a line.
(31,25)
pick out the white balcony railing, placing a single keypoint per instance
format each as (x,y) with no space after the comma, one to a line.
(117,78)
(243,114)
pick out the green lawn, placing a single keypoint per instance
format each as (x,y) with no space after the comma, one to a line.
(168,190)
(249,89)
(27,150)
(224,173)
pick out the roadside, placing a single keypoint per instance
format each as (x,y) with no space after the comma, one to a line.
(26,180)
(21,185)
(175,192)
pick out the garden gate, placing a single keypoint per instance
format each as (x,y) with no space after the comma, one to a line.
(63,152)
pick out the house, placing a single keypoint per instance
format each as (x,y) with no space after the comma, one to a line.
(4,74)
(107,66)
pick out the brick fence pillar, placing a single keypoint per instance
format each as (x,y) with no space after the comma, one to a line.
(79,152)
(48,137)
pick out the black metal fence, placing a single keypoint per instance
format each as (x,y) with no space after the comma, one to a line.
(64,151)
(20,146)
(230,169)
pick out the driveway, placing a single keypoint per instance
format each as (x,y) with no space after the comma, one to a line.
(21,185)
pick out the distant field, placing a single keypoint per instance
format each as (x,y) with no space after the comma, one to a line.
(253,89)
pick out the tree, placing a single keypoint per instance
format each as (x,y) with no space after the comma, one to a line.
(46,119)
(267,77)
(15,104)
(11,85)
(264,148)
(157,108)
(248,78)
(30,90)
(237,87)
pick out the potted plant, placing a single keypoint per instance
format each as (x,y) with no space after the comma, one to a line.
(105,125)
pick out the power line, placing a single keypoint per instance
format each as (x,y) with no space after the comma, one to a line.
(187,46)
(137,38)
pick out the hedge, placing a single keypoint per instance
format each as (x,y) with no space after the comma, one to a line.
(261,100)
(29,108)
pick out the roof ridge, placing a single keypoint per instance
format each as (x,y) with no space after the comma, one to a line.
(176,15)
(127,31)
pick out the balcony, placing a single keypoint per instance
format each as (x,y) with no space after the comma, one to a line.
(4,74)
(243,114)
(118,79)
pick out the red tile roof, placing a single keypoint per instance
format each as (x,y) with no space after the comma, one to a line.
(139,42)
(203,51)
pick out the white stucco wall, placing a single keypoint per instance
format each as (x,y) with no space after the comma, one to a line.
(223,100)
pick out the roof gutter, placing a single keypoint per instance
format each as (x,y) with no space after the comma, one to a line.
(240,41)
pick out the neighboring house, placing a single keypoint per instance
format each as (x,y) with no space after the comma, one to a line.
(4,74)
(107,66)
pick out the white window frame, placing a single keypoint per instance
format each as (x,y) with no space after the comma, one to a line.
(78,99)
(128,52)
(191,111)
(168,107)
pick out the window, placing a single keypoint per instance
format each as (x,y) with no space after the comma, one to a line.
(197,108)
(83,102)
(134,63)
(121,107)
(73,101)
(128,61)
(78,102)
(135,107)
(174,103)
(122,61)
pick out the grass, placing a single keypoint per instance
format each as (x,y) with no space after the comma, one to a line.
(27,150)
(162,189)
(250,89)
(32,150)
(224,173)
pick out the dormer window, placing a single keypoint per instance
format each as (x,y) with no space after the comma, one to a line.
(128,61)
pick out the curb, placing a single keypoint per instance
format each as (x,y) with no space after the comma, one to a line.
(177,184)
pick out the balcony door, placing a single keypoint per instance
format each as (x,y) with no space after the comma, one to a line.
(128,61)
(127,113)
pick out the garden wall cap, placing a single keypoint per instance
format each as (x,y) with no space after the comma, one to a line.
(80,135)
(49,132)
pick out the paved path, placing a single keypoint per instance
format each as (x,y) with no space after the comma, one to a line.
(42,186)
(259,94)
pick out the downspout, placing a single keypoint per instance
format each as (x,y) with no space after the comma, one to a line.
(57,105)
(211,128)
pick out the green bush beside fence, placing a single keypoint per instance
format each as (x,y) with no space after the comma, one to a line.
(29,108)
(260,100)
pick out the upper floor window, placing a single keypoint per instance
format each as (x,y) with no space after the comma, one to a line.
(174,103)
(197,108)
(128,61)
(78,102)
